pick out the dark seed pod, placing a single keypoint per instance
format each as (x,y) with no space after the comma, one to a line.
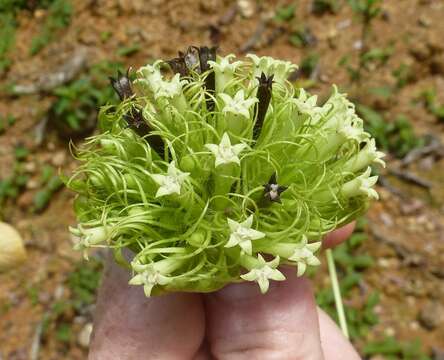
(134,119)
(208,54)
(122,85)
(178,66)
(264,97)
(272,190)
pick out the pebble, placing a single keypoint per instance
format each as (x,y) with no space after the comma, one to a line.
(84,336)
(59,158)
(12,252)
(431,315)
(246,8)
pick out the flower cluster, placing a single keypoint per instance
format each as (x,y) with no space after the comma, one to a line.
(214,170)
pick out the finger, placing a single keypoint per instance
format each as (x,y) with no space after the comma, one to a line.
(338,236)
(334,344)
(282,324)
(128,325)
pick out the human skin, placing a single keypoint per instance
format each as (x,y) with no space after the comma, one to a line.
(234,323)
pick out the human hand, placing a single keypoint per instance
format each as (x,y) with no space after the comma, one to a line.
(237,322)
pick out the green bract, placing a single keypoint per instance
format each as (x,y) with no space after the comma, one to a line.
(219,173)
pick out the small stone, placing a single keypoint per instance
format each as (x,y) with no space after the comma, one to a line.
(84,336)
(32,184)
(411,207)
(386,219)
(246,8)
(438,353)
(424,21)
(30,167)
(437,64)
(431,315)
(420,51)
(12,252)
(389,331)
(59,158)
(25,200)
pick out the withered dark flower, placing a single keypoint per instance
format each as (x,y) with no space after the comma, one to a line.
(178,66)
(122,85)
(191,58)
(272,190)
(264,97)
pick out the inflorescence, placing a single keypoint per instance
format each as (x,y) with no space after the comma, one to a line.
(214,170)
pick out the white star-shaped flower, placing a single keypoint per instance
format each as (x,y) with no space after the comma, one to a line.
(242,234)
(264,272)
(362,185)
(306,104)
(148,276)
(171,182)
(226,153)
(169,89)
(365,157)
(224,65)
(303,255)
(237,105)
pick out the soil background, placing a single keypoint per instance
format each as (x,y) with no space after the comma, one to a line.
(405,227)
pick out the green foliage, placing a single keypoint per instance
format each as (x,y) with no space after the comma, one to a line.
(6,122)
(127,51)
(302,37)
(377,55)
(83,282)
(77,102)
(7,38)
(397,137)
(432,105)
(50,183)
(59,17)
(403,74)
(321,7)
(368,9)
(10,187)
(285,13)
(393,349)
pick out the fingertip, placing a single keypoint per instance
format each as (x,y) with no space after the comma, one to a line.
(338,236)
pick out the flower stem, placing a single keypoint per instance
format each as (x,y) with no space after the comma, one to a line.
(336,292)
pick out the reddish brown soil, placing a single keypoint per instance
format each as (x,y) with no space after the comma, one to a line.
(408,246)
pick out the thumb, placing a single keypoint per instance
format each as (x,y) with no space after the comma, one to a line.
(282,324)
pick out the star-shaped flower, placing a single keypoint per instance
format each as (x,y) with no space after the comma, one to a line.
(225,153)
(238,105)
(169,89)
(362,185)
(148,276)
(242,234)
(171,182)
(224,65)
(306,104)
(264,272)
(272,190)
(303,255)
